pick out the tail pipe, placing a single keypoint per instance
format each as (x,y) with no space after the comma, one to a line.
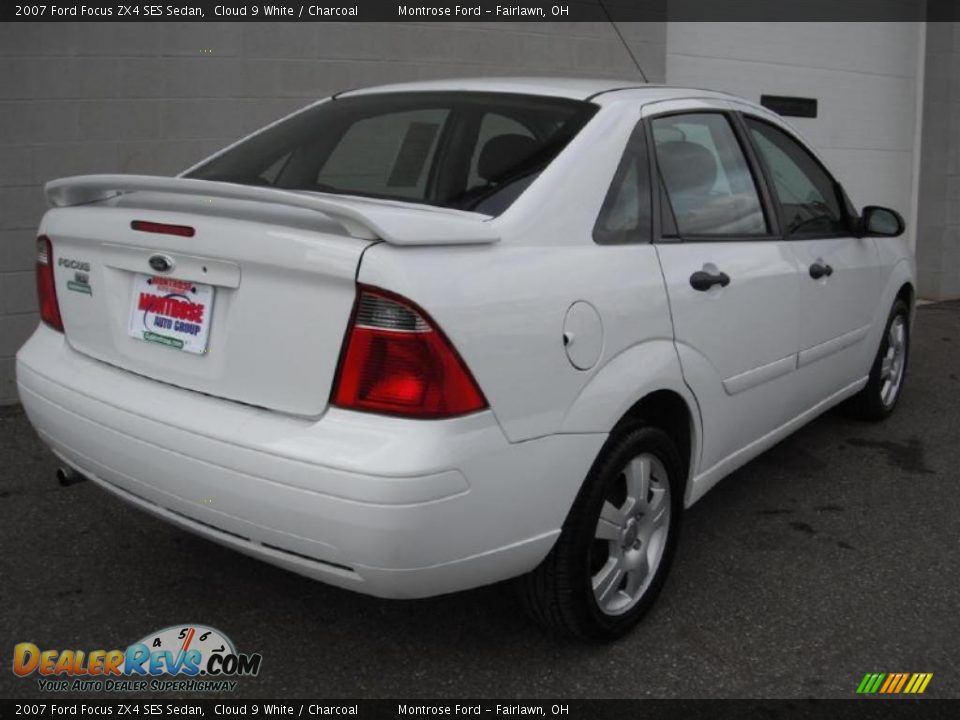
(68,476)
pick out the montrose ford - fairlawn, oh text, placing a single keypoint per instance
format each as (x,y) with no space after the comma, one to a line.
(478,11)
(478,710)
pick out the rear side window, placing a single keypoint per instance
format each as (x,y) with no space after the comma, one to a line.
(808,196)
(472,151)
(708,182)
(626,213)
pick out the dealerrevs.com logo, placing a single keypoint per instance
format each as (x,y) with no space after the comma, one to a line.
(180,658)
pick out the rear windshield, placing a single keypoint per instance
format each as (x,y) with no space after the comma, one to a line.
(471,151)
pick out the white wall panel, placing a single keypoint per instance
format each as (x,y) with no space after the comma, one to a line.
(863,75)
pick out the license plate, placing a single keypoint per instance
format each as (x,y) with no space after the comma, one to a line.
(175,313)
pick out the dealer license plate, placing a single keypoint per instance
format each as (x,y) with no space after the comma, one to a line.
(175,313)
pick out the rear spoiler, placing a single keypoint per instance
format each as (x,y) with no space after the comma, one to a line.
(364,219)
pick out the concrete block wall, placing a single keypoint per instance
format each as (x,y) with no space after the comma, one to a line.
(938,246)
(155,98)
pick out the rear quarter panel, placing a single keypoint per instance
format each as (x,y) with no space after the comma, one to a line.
(504,307)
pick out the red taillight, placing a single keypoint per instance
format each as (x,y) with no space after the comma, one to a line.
(46,288)
(163,228)
(396,361)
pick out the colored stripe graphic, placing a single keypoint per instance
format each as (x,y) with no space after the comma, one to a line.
(918,683)
(891,680)
(894,683)
(903,680)
(870,683)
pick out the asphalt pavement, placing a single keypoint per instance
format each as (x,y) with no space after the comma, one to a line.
(835,554)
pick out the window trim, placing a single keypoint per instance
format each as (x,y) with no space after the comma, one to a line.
(767,206)
(839,194)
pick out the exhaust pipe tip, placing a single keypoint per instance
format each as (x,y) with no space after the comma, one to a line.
(68,476)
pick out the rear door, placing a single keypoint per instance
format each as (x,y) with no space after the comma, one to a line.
(732,282)
(840,280)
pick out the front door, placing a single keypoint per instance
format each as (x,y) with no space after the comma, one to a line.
(840,274)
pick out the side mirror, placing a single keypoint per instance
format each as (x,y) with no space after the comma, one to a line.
(881,222)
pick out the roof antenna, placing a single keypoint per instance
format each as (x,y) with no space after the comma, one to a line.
(622,40)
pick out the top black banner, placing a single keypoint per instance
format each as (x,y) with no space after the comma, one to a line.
(485,11)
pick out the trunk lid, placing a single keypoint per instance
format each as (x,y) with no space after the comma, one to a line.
(276,297)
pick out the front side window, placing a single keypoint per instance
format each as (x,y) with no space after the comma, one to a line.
(806,192)
(471,151)
(708,182)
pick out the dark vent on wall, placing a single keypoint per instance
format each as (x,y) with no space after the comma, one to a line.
(790,106)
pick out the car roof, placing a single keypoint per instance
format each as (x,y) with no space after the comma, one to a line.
(602,91)
(573,88)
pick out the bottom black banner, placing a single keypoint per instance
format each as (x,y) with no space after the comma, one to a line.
(892,709)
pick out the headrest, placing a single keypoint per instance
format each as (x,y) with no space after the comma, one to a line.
(686,166)
(502,153)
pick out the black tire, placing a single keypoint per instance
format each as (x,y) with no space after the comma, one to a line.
(559,593)
(869,403)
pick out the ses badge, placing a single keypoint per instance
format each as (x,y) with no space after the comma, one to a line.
(81,278)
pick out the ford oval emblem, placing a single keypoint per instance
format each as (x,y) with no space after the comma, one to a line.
(161,263)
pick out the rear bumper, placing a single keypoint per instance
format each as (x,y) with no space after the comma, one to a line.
(384,506)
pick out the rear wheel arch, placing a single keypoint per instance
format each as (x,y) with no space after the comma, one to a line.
(644,382)
(670,412)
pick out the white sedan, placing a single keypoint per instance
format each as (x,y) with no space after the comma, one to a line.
(419,338)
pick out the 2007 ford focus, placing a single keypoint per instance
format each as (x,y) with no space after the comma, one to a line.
(420,338)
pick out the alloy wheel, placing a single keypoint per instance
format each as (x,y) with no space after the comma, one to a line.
(631,534)
(894,361)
